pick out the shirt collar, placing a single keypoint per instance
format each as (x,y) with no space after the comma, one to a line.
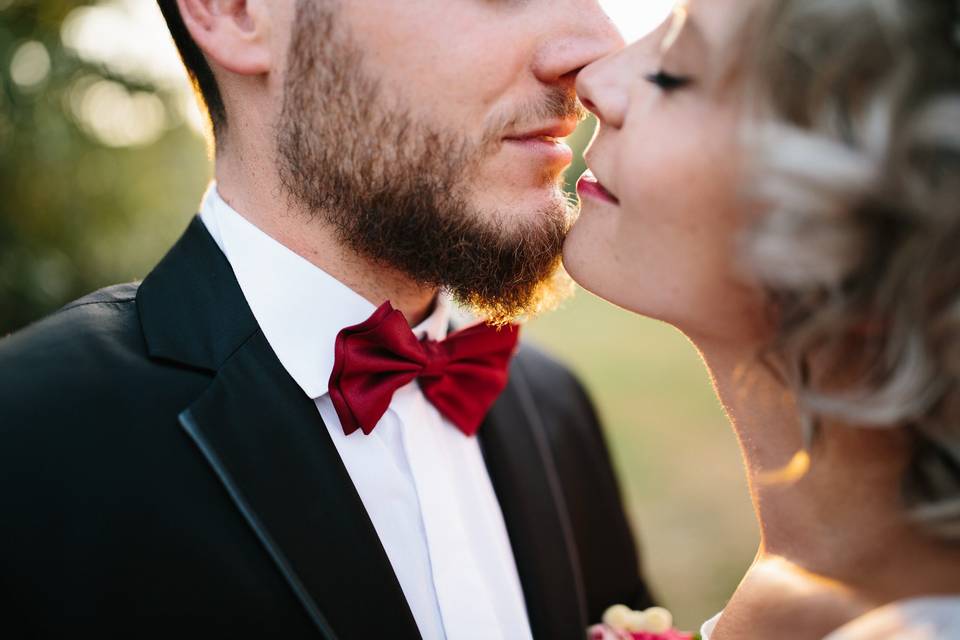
(300,308)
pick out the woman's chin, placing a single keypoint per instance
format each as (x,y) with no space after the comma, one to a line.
(584,261)
(593,265)
(577,259)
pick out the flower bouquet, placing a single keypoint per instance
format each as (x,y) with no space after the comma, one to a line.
(622,623)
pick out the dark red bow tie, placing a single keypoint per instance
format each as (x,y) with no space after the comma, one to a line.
(462,375)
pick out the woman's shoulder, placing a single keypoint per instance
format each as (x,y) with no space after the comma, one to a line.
(925,618)
(778,599)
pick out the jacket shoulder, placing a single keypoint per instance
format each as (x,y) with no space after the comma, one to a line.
(99,325)
(116,294)
(88,356)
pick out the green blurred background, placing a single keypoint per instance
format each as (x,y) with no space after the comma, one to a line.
(103,161)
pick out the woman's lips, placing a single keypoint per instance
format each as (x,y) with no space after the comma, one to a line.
(589,186)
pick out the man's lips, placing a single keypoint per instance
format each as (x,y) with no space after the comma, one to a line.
(551,132)
(589,186)
(547,142)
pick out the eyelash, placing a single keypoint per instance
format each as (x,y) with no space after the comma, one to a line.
(667,81)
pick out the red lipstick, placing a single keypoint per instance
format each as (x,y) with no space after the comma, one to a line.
(590,187)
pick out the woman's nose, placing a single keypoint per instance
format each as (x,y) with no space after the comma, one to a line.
(603,88)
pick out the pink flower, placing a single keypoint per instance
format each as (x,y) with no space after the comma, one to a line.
(620,622)
(673,634)
(603,632)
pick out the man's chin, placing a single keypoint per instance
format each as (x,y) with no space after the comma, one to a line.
(543,297)
(519,206)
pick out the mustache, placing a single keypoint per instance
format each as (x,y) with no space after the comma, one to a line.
(556,104)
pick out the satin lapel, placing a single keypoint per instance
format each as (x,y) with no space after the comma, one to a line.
(267,444)
(524,477)
(269,447)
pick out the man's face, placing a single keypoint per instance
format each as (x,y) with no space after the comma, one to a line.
(426,132)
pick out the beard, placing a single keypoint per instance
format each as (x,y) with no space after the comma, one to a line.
(397,191)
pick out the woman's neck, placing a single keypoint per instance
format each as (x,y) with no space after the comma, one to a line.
(841,519)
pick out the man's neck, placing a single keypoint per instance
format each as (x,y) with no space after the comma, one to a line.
(841,517)
(259,197)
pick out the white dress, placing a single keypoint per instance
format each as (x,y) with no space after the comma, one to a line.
(928,618)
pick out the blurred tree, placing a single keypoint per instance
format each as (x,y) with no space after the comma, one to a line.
(99,171)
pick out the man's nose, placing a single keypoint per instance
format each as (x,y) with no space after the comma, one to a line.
(581,33)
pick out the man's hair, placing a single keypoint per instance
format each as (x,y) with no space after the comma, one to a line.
(197,67)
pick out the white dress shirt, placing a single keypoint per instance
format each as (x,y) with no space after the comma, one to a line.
(423,483)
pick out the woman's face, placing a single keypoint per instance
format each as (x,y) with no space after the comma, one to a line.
(657,233)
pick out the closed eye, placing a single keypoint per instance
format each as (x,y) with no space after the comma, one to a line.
(668,81)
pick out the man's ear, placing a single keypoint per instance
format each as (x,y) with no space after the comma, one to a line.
(233,34)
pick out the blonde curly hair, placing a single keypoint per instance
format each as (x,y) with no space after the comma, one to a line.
(854,137)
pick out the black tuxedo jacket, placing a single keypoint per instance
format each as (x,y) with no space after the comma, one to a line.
(161,475)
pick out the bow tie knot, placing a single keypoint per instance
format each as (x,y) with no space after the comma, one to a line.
(461,376)
(436,359)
